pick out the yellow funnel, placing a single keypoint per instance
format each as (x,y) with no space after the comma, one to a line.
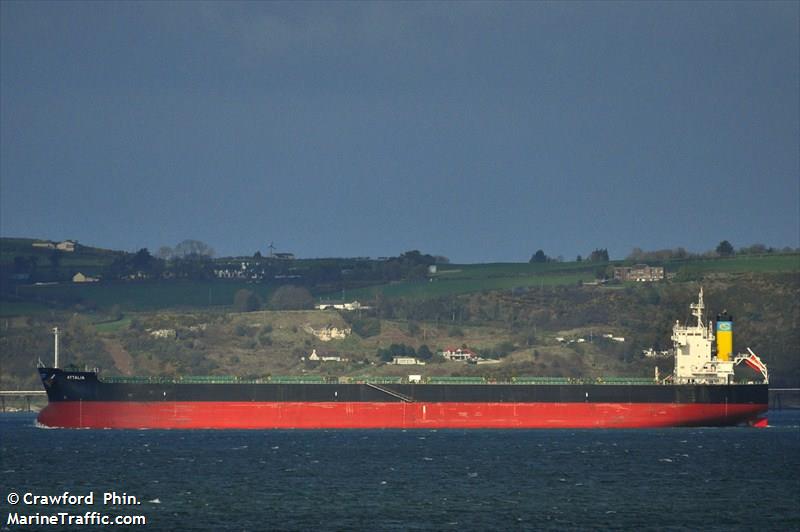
(724,330)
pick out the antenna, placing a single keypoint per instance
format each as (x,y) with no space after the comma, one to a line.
(698,308)
(55,339)
(271,249)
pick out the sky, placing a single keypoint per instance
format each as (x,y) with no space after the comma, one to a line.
(480,131)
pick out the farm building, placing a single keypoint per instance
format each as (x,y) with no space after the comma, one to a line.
(639,272)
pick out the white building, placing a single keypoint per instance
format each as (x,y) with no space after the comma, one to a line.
(164,333)
(406,361)
(81,278)
(340,305)
(328,333)
(325,358)
(66,245)
(460,354)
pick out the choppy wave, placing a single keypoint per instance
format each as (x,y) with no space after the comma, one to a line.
(426,480)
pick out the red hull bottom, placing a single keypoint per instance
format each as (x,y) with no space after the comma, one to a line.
(248,415)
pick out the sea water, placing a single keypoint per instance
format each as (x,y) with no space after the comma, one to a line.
(678,478)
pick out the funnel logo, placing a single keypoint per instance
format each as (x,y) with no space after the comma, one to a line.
(724,326)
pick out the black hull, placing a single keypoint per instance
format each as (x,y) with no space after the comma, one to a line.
(85,386)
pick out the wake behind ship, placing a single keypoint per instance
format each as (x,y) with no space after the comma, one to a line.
(700,392)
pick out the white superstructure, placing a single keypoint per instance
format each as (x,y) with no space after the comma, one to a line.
(695,361)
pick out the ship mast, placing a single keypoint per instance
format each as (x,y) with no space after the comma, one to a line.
(698,309)
(55,339)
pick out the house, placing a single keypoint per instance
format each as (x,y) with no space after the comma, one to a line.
(639,272)
(137,276)
(406,361)
(67,245)
(652,353)
(460,354)
(81,278)
(325,358)
(328,333)
(240,269)
(164,333)
(340,305)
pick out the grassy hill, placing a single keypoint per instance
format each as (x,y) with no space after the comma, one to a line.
(513,312)
(523,328)
(470,278)
(451,280)
(86,259)
(140,295)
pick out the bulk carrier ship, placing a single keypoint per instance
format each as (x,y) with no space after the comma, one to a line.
(700,392)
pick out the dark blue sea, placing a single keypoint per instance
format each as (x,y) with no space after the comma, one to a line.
(680,479)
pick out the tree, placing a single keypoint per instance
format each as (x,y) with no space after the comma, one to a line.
(164,252)
(366,327)
(603,272)
(394,350)
(143,261)
(25,265)
(599,255)
(189,248)
(55,259)
(116,312)
(414,257)
(246,301)
(424,352)
(290,297)
(539,256)
(755,249)
(724,249)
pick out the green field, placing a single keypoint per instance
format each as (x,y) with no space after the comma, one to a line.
(453,279)
(144,295)
(113,326)
(489,279)
(775,263)
(772,262)
(512,269)
(21,308)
